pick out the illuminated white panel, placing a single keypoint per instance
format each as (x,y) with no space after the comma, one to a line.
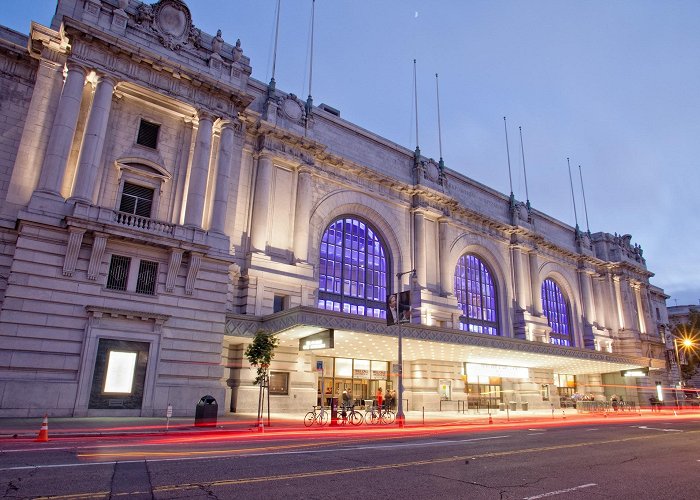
(343,367)
(120,372)
(474,371)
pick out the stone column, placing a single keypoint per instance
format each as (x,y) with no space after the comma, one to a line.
(520,294)
(419,247)
(37,128)
(535,285)
(640,309)
(63,130)
(301,216)
(226,146)
(586,296)
(261,203)
(199,172)
(618,301)
(446,273)
(93,140)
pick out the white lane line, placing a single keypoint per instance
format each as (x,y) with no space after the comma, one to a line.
(657,429)
(589,430)
(245,455)
(534,433)
(559,492)
(38,449)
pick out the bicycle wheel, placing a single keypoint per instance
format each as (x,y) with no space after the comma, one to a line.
(373,417)
(355,417)
(309,419)
(324,417)
(389,416)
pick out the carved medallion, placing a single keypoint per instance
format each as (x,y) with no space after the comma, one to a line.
(292,109)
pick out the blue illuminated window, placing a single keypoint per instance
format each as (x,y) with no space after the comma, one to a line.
(557,311)
(476,295)
(353,269)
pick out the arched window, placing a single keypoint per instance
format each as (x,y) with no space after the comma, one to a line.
(476,295)
(353,269)
(557,311)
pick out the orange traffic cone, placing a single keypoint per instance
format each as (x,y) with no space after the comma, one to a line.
(44,431)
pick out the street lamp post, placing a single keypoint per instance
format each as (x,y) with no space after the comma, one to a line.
(400,417)
(686,343)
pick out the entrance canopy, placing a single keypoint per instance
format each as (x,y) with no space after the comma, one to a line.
(370,338)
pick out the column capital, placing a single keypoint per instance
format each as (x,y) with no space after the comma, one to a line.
(74,66)
(203,114)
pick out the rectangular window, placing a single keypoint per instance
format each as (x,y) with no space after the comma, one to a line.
(279,303)
(136,200)
(148,134)
(279,383)
(120,372)
(148,275)
(118,273)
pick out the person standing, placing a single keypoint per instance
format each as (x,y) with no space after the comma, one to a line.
(379,398)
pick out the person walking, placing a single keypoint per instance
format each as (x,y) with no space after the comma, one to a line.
(379,398)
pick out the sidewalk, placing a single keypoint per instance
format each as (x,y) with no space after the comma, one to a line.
(236,422)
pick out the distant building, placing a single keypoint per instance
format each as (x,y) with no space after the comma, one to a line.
(160,206)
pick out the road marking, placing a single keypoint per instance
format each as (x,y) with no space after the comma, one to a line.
(534,433)
(657,429)
(589,430)
(559,492)
(537,429)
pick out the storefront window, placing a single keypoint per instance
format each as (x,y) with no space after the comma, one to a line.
(379,370)
(361,369)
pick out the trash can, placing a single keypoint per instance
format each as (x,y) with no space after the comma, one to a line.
(513,405)
(501,407)
(525,405)
(205,412)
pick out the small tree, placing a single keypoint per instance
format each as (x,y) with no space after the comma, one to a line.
(260,354)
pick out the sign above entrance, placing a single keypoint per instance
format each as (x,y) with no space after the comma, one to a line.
(475,370)
(638,372)
(320,340)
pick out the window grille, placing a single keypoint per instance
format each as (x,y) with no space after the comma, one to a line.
(353,269)
(148,275)
(476,296)
(556,309)
(137,200)
(118,272)
(148,134)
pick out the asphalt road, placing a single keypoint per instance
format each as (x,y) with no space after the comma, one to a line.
(630,459)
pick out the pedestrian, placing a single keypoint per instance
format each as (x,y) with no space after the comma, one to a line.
(379,397)
(614,402)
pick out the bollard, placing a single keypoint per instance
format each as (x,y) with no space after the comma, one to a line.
(563,414)
(424,416)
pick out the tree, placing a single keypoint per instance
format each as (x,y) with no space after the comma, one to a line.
(260,354)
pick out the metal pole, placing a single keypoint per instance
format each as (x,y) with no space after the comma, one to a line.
(400,417)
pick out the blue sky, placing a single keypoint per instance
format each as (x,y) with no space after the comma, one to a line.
(614,85)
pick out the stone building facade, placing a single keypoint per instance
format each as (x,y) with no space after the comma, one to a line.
(160,206)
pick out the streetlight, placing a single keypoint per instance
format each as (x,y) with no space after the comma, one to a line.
(400,417)
(686,343)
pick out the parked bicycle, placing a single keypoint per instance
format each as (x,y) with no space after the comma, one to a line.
(318,415)
(351,415)
(384,415)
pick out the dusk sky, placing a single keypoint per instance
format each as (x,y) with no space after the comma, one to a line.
(614,85)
